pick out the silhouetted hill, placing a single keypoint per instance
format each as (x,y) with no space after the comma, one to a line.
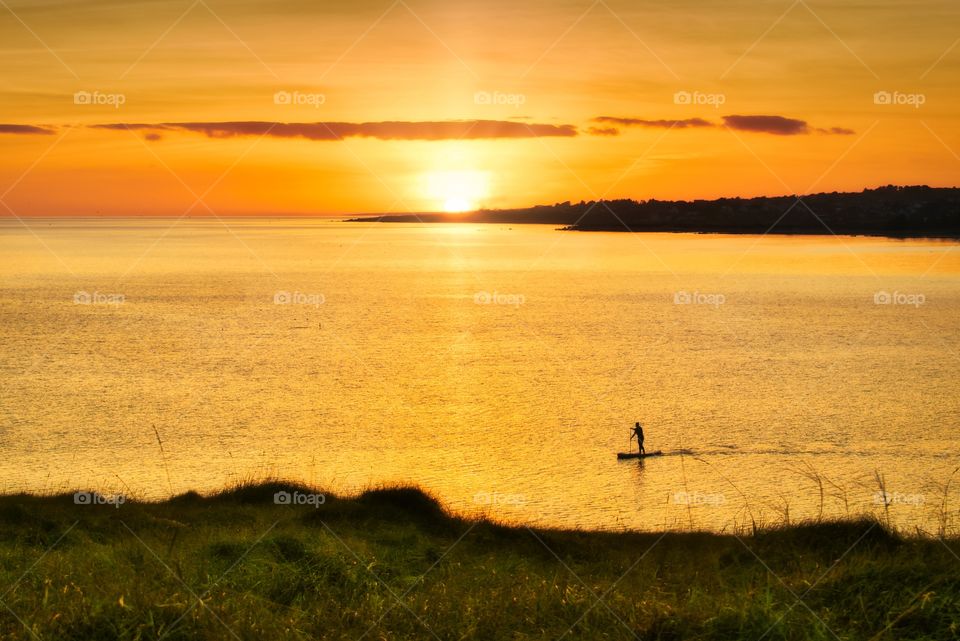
(891,210)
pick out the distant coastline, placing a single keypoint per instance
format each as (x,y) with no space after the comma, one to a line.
(901,212)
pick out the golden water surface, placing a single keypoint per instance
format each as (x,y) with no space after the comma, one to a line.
(498,367)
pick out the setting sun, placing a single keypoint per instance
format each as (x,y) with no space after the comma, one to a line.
(458,191)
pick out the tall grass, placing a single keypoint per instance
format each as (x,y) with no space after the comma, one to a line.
(391,563)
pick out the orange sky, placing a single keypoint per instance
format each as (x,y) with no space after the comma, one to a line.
(427,105)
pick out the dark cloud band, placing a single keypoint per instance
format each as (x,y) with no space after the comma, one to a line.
(388,130)
(776,125)
(665,124)
(26,129)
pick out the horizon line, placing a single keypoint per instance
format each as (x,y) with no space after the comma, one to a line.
(14,216)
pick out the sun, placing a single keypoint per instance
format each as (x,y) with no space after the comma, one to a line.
(457,190)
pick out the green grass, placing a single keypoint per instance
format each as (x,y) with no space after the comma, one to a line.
(391,564)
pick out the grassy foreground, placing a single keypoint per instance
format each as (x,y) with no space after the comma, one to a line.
(391,564)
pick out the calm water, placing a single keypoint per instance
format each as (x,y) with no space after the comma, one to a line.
(498,367)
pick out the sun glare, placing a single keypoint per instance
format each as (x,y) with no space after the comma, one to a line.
(457,191)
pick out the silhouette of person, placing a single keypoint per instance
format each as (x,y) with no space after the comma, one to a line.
(638,432)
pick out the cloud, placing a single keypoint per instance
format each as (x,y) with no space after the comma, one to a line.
(26,129)
(388,130)
(603,131)
(665,124)
(777,125)
(837,131)
(780,126)
(122,126)
(443,129)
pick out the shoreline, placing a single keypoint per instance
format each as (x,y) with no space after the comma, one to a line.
(953,236)
(839,233)
(251,492)
(438,218)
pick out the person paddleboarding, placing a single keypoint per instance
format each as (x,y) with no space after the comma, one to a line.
(637,433)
